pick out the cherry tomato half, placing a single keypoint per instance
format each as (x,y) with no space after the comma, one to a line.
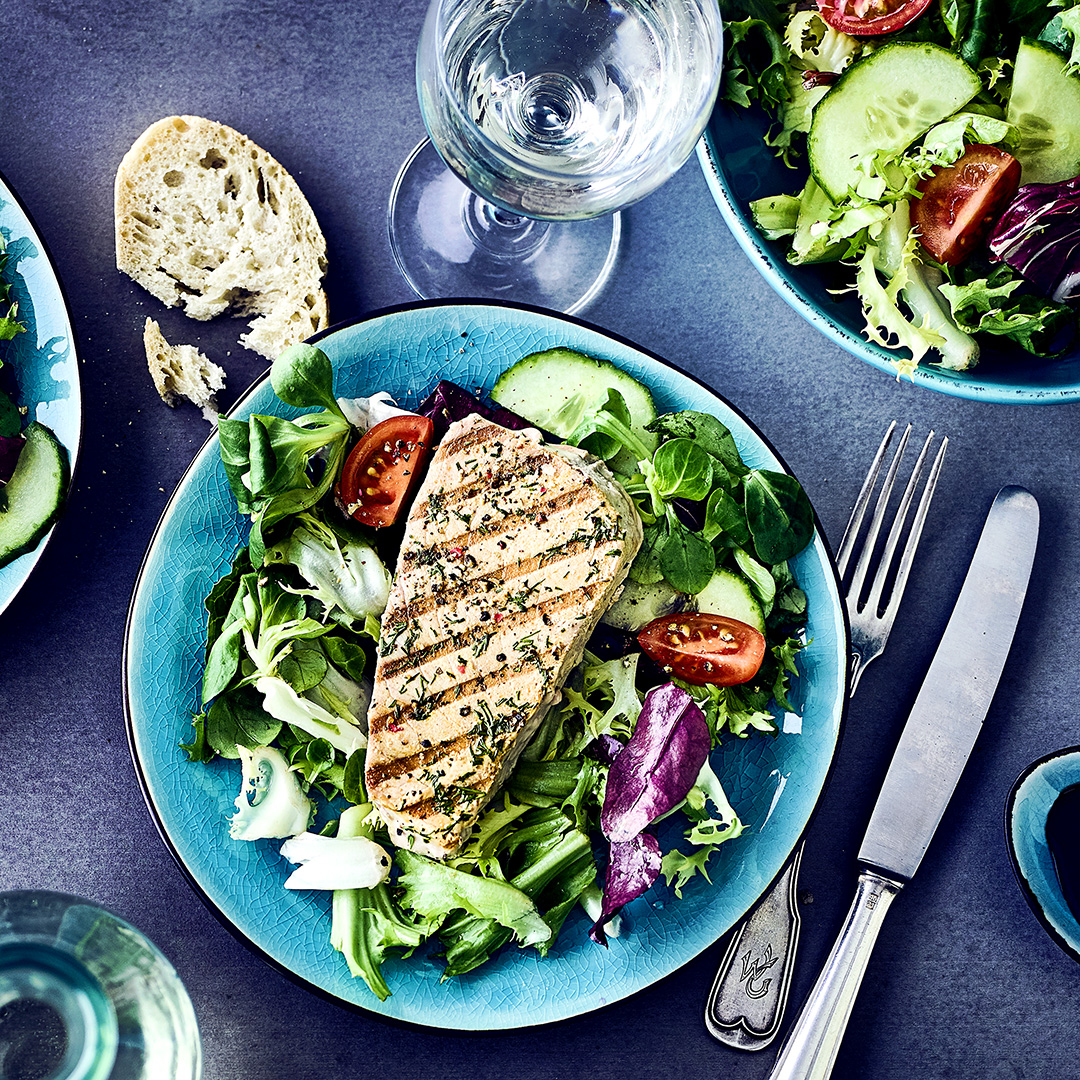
(960,202)
(701,648)
(383,468)
(864,18)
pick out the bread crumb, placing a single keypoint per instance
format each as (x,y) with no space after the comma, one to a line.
(181,371)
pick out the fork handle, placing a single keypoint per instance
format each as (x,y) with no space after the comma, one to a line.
(810,1050)
(746,1003)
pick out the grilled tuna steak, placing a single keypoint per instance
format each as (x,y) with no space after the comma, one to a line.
(512,552)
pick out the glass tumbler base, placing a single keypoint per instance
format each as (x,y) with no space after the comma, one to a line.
(85,996)
(450,243)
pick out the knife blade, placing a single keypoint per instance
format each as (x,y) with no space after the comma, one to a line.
(934,746)
(955,695)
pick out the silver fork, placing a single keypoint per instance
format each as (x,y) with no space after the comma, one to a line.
(746,1003)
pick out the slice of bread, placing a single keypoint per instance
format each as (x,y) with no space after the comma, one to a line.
(207,220)
(181,371)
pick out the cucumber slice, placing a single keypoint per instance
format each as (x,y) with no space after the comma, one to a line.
(555,388)
(639,604)
(728,594)
(1045,105)
(34,494)
(884,102)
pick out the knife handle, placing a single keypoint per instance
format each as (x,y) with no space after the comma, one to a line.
(746,1003)
(809,1052)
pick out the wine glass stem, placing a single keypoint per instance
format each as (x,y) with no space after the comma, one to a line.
(450,242)
(501,233)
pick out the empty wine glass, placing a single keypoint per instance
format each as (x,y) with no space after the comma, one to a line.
(551,115)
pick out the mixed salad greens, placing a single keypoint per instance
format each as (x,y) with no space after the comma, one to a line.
(33,464)
(10,423)
(293,629)
(940,145)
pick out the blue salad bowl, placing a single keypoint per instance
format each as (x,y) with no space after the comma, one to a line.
(740,168)
(1026,810)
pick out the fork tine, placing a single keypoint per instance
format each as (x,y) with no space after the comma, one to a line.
(858,512)
(870,624)
(877,585)
(908,554)
(855,588)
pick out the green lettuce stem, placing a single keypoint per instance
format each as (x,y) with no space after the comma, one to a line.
(609,424)
(557,779)
(959,351)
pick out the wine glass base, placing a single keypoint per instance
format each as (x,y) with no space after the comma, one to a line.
(449,242)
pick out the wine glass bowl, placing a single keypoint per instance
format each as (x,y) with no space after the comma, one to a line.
(545,118)
(568,109)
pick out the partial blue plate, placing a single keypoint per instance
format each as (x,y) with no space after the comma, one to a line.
(1026,810)
(44,358)
(739,168)
(774,783)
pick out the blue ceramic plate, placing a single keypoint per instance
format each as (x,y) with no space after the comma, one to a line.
(774,783)
(43,359)
(739,168)
(1028,804)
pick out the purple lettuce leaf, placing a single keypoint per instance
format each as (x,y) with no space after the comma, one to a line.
(449,402)
(647,778)
(658,766)
(1038,235)
(634,865)
(604,748)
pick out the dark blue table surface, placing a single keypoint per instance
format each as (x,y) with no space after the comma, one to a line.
(963,983)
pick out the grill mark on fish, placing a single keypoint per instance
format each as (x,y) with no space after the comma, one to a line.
(402,711)
(424,763)
(505,524)
(479,434)
(421,759)
(503,473)
(490,580)
(464,641)
(437,781)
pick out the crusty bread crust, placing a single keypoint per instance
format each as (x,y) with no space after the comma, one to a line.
(207,220)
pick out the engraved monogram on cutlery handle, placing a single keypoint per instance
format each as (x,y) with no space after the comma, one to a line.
(747,1000)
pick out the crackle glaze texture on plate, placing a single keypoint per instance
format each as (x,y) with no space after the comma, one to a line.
(774,783)
(739,168)
(43,358)
(1026,810)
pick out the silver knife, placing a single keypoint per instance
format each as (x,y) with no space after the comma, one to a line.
(933,749)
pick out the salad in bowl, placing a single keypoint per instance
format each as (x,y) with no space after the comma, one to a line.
(925,160)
